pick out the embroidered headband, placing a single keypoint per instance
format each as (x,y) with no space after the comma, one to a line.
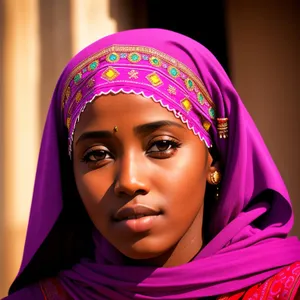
(145,71)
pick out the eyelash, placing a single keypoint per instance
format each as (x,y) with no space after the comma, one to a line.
(172,144)
(86,157)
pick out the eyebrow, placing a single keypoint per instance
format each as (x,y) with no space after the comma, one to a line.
(138,130)
(89,135)
(151,127)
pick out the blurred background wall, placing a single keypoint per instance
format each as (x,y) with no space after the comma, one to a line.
(257,42)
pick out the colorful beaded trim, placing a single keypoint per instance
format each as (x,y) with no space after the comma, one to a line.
(145,68)
(135,54)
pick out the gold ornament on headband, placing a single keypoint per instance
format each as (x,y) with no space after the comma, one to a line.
(222,126)
(116,129)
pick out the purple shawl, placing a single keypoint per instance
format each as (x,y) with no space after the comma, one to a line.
(249,225)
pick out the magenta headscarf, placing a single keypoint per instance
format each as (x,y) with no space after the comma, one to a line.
(250,222)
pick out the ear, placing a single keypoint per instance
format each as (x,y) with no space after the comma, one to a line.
(212,166)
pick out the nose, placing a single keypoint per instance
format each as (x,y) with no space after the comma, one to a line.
(131,179)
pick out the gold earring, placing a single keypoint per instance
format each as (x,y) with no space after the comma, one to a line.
(215,178)
(116,129)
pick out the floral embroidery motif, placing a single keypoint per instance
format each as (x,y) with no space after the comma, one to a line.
(283,285)
(91,83)
(172,90)
(169,77)
(133,74)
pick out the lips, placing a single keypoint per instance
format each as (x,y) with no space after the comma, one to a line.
(135,212)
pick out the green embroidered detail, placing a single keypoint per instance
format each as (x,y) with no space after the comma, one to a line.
(155,61)
(200,98)
(93,65)
(173,71)
(134,57)
(212,113)
(113,57)
(77,77)
(189,84)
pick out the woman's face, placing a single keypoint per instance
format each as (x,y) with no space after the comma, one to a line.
(143,183)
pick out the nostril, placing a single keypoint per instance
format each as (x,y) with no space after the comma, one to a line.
(141,192)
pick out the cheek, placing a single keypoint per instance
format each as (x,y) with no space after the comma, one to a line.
(184,181)
(92,187)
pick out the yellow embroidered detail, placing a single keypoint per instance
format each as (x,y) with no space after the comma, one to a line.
(68,93)
(78,96)
(154,79)
(68,122)
(143,50)
(110,74)
(187,105)
(206,125)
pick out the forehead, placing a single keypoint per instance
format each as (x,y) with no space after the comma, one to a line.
(124,108)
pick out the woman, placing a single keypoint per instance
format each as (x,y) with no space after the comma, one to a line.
(154,183)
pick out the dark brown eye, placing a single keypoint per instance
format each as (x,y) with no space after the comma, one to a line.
(95,155)
(163,146)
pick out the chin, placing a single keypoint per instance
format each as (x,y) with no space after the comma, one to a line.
(144,249)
